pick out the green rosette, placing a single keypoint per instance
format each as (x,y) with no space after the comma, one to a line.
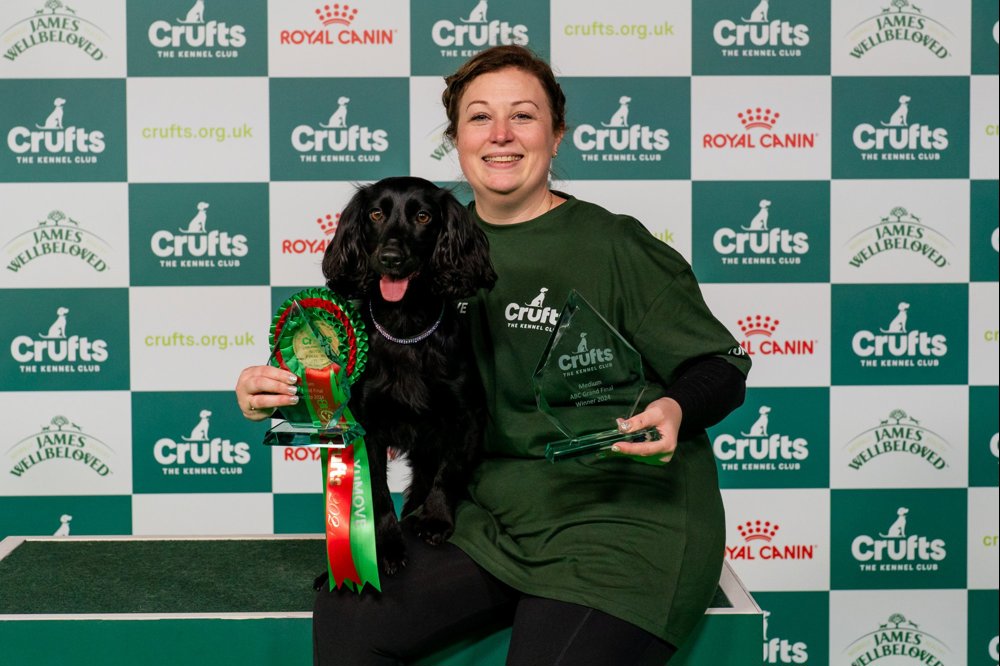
(319,336)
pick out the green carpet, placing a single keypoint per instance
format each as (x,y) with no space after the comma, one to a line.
(197,576)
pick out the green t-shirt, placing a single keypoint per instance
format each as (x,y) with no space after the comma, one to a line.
(640,542)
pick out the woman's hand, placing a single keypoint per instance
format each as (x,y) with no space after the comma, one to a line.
(263,388)
(664,415)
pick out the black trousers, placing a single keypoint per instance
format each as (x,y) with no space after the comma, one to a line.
(443,596)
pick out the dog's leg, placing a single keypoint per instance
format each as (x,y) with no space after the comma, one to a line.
(388,534)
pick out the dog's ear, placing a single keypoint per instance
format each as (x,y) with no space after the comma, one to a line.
(461,259)
(345,262)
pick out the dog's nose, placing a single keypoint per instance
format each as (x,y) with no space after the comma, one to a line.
(390,257)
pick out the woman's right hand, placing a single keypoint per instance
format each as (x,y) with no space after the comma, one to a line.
(263,388)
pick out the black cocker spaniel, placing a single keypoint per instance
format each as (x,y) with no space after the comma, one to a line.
(410,251)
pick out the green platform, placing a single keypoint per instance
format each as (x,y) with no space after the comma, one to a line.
(82,601)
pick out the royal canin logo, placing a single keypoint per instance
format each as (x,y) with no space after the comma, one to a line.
(759,118)
(764,531)
(335,21)
(327,225)
(759,340)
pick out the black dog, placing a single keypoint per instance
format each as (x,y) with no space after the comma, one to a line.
(409,250)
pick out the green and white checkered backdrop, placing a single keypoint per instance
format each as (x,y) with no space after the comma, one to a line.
(171,171)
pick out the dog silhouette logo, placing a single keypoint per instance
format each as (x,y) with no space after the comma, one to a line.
(537,301)
(478,13)
(196,14)
(197,223)
(898,323)
(620,117)
(759,222)
(57,330)
(759,427)
(54,120)
(63,525)
(899,116)
(759,13)
(338,120)
(582,347)
(200,432)
(898,528)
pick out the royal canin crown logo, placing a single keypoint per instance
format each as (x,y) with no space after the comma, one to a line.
(753,118)
(336,14)
(758,325)
(756,530)
(757,544)
(764,326)
(327,224)
(759,118)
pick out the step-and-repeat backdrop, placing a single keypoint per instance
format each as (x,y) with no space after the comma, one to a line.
(171,171)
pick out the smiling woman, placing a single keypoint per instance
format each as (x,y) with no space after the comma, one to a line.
(593,561)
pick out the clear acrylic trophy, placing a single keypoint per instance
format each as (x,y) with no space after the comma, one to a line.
(588,376)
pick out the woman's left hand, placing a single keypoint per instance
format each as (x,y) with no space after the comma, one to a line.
(664,415)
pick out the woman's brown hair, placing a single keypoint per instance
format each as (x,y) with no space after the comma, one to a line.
(492,60)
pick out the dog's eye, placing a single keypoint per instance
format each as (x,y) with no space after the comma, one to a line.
(376,215)
(423,217)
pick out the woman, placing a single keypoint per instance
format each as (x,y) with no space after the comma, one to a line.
(592,561)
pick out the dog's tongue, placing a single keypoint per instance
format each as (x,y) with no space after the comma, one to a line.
(393,289)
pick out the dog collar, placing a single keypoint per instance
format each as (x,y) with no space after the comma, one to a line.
(404,341)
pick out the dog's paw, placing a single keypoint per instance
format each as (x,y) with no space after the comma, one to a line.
(433,530)
(392,556)
(321,581)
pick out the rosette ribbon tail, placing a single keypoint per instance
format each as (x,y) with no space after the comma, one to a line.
(350,519)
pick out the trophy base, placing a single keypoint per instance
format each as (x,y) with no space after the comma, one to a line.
(595,443)
(336,436)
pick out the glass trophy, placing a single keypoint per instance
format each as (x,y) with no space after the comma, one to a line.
(587,377)
(318,338)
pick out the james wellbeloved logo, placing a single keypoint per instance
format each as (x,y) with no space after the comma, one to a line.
(761,231)
(760,543)
(63,130)
(758,37)
(347,131)
(899,232)
(184,37)
(60,439)
(758,123)
(533,314)
(900,334)
(887,539)
(449,32)
(213,231)
(628,128)
(337,24)
(58,235)
(902,641)
(54,23)
(900,22)
(899,434)
(901,127)
(196,448)
(65,339)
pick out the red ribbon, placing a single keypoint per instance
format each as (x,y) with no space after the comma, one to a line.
(339,484)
